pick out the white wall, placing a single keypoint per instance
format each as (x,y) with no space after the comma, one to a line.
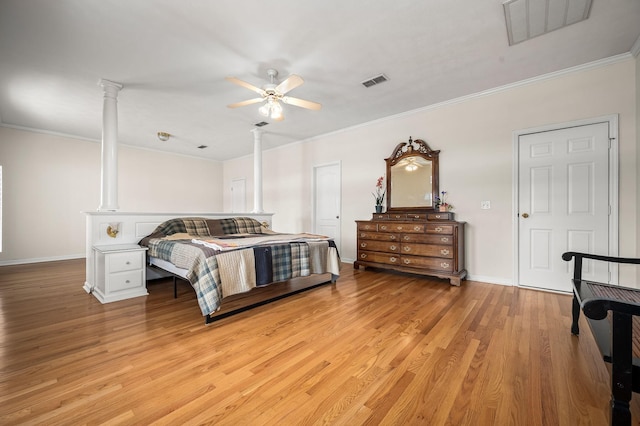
(49,180)
(475,136)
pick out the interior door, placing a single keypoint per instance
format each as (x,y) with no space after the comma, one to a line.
(563,204)
(238,195)
(327,201)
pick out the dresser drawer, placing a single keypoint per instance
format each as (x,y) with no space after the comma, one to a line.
(427,239)
(439,228)
(126,261)
(440,216)
(368,256)
(427,250)
(367,226)
(383,246)
(378,236)
(402,227)
(444,265)
(125,280)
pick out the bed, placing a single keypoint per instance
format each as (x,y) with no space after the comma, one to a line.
(225,257)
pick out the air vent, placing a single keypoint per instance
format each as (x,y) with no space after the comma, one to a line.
(260,124)
(526,19)
(375,80)
(202,147)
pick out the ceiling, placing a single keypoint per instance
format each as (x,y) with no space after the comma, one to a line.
(172,58)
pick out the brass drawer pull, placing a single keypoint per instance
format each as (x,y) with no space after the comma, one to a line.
(393,259)
(398,216)
(407,248)
(407,238)
(383,227)
(437,216)
(417,216)
(444,252)
(392,237)
(444,265)
(363,256)
(406,261)
(363,245)
(444,239)
(393,247)
(417,228)
(399,228)
(438,229)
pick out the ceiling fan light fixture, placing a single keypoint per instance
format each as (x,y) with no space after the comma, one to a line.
(264,110)
(276,110)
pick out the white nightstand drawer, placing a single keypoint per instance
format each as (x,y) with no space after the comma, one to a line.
(127,261)
(125,280)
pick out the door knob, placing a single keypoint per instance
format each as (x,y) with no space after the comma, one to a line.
(525,215)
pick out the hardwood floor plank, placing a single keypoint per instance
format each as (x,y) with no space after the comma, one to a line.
(375,348)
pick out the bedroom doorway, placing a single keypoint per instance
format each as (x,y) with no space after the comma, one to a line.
(566,201)
(327,200)
(238,195)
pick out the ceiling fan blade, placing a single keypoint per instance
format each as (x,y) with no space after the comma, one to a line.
(289,83)
(245,84)
(301,103)
(247,102)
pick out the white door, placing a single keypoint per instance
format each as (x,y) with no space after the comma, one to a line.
(327,203)
(238,195)
(563,204)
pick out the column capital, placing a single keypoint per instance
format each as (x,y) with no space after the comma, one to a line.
(110,87)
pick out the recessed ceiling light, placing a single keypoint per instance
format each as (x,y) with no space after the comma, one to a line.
(164,136)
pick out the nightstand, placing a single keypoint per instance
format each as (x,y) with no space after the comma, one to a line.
(119,272)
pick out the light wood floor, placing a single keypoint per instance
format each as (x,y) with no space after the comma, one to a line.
(376,348)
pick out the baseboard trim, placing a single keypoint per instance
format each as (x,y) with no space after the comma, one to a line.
(41,259)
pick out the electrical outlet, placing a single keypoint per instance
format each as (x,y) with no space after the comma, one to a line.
(485,205)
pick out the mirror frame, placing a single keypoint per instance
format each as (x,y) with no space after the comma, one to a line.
(413,148)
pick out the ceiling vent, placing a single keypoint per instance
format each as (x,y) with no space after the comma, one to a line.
(526,19)
(260,124)
(375,80)
(202,147)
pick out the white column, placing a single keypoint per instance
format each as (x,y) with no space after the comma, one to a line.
(257,171)
(109,166)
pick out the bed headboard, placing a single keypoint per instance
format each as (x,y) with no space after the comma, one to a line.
(117,228)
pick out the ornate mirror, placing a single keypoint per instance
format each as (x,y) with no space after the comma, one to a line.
(412,177)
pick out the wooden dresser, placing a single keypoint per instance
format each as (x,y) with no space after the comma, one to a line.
(420,243)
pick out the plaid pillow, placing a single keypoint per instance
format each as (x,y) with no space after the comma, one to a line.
(196,226)
(247,225)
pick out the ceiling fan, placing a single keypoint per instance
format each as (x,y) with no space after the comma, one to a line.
(273,94)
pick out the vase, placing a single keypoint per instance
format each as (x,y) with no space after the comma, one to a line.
(378,209)
(443,208)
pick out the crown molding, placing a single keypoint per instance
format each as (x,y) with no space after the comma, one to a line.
(579,68)
(98,141)
(635,49)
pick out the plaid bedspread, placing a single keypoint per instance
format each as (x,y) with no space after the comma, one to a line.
(273,263)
